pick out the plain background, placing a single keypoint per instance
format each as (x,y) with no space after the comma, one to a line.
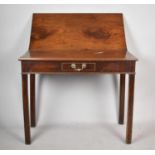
(80,111)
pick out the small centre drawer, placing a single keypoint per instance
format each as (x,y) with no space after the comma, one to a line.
(78,67)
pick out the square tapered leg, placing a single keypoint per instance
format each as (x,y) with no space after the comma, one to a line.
(121,99)
(130,109)
(26,108)
(32,100)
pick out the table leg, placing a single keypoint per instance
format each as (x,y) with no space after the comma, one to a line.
(26,108)
(130,109)
(121,98)
(32,100)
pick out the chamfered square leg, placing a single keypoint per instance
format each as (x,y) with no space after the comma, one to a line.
(121,99)
(26,108)
(32,100)
(130,108)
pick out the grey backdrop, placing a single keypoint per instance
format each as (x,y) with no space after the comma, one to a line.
(76,112)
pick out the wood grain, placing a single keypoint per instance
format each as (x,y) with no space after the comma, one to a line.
(59,40)
(46,67)
(78,32)
(74,56)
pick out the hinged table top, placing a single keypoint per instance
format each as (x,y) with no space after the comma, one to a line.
(91,36)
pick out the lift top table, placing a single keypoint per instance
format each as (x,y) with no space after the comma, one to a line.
(77,43)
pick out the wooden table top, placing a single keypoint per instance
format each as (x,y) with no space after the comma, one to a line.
(91,36)
(74,56)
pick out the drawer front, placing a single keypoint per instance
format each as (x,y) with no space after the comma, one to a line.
(100,67)
(78,67)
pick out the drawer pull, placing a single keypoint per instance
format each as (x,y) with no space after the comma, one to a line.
(83,66)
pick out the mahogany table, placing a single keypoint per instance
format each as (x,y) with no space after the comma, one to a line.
(77,43)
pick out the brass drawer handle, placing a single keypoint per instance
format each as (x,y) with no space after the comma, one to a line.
(73,66)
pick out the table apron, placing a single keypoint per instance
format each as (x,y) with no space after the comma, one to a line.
(47,67)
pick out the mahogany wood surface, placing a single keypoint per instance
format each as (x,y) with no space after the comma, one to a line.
(75,56)
(26,108)
(32,100)
(130,108)
(45,67)
(74,33)
(122,99)
(77,43)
